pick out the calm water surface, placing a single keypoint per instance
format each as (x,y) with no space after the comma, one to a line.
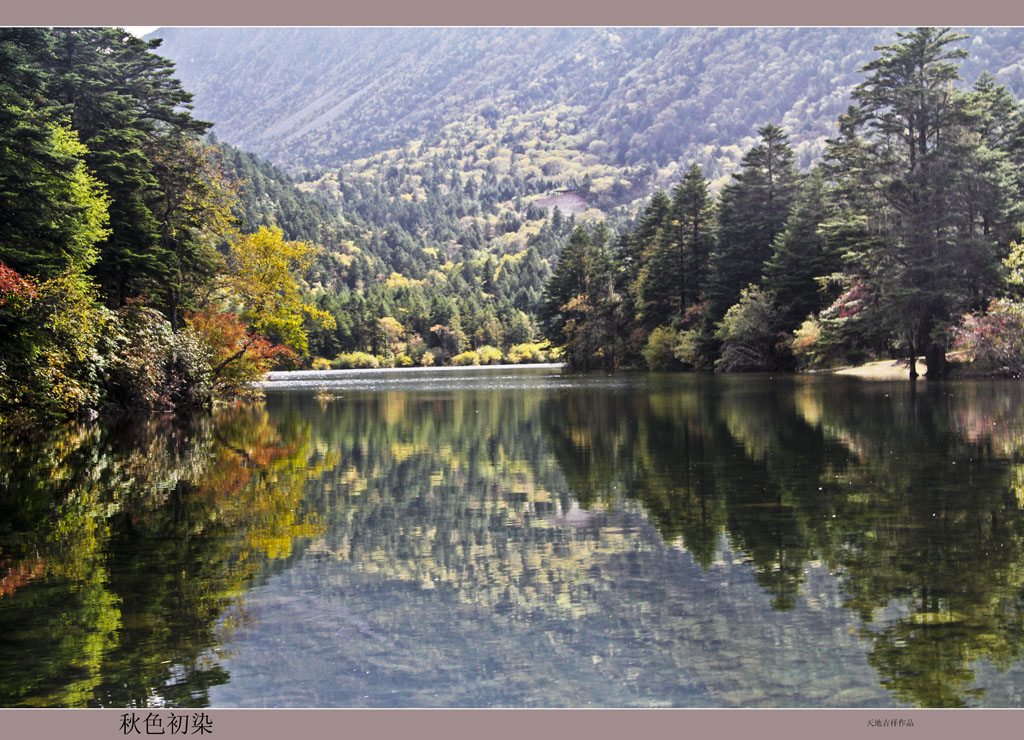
(519,537)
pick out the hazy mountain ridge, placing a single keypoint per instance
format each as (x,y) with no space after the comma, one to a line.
(318,97)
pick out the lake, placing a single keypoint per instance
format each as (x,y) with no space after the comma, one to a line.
(520,537)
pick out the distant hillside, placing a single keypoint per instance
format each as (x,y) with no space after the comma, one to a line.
(320,97)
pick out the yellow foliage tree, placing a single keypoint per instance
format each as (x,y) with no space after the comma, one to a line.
(262,277)
(261,283)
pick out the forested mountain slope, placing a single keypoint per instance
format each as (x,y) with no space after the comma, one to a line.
(318,97)
(441,153)
(739,199)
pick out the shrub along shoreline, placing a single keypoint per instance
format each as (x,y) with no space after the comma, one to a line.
(518,354)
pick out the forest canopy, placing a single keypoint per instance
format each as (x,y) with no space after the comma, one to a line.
(892,245)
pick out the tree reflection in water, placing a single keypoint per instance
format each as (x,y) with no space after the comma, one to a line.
(912,498)
(129,555)
(131,543)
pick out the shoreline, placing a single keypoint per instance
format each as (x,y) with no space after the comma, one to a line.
(880,370)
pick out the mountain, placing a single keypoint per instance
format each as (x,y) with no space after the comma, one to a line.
(429,161)
(309,98)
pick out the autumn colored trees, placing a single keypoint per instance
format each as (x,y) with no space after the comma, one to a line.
(118,246)
(121,228)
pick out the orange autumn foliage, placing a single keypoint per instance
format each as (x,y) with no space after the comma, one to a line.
(240,357)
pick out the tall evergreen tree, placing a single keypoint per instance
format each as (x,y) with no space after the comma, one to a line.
(927,192)
(800,255)
(659,280)
(578,309)
(127,109)
(632,251)
(692,219)
(999,121)
(52,211)
(192,209)
(753,210)
(673,273)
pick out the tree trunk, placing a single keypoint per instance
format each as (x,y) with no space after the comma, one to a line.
(220,368)
(935,358)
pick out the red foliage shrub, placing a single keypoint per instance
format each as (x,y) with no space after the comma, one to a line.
(239,357)
(13,287)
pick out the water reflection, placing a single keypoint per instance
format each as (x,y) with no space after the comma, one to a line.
(648,540)
(123,547)
(911,499)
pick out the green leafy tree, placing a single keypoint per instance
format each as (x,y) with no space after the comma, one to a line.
(49,365)
(52,214)
(659,353)
(193,212)
(51,210)
(53,223)
(262,281)
(750,333)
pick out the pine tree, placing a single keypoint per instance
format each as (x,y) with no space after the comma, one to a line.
(800,255)
(753,210)
(192,209)
(660,280)
(52,210)
(571,277)
(999,122)
(924,189)
(644,296)
(692,220)
(577,311)
(127,109)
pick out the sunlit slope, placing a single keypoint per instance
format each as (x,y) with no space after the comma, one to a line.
(309,97)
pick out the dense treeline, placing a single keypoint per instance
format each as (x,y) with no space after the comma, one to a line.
(440,268)
(125,280)
(145,266)
(419,266)
(895,243)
